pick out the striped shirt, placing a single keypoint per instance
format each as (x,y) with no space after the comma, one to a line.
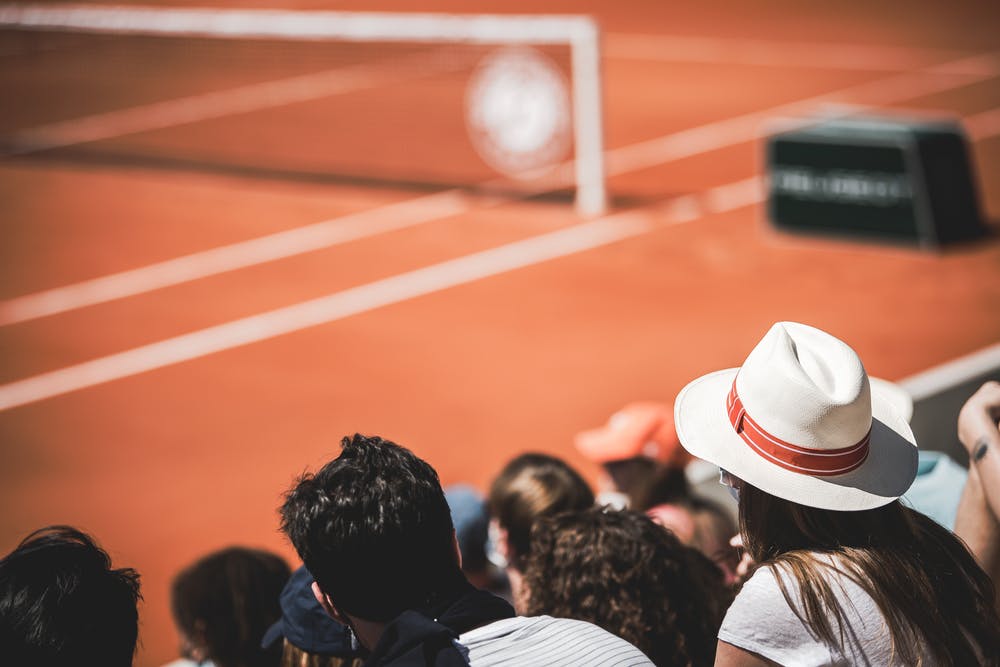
(543,641)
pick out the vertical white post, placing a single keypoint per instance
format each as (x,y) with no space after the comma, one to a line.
(588,124)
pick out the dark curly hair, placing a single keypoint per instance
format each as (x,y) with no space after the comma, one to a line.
(374,528)
(630,576)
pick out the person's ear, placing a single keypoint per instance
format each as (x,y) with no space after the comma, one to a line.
(327,604)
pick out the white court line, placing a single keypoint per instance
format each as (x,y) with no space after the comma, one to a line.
(240,255)
(223,103)
(394,289)
(682,209)
(881,92)
(723,50)
(731,196)
(952,374)
(327,309)
(641,155)
(720,199)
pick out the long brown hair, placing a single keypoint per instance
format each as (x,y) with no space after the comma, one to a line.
(927,585)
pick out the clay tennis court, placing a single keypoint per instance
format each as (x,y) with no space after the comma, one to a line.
(189,371)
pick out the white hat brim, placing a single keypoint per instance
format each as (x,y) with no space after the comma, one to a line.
(896,396)
(704,429)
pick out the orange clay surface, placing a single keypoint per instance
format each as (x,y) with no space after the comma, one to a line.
(166,465)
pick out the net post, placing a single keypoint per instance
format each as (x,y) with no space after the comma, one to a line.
(588,125)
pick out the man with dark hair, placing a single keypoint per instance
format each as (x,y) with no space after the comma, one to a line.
(374,528)
(61,604)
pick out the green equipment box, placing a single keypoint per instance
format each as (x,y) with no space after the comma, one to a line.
(903,181)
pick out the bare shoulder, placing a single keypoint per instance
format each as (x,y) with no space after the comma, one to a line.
(727,655)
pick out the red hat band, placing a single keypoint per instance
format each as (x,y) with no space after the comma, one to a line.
(804,460)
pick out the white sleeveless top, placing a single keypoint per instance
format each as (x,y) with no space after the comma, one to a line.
(761,621)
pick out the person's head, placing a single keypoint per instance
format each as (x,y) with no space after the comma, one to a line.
(374,528)
(633,447)
(818,456)
(630,576)
(224,602)
(307,635)
(62,604)
(700,523)
(531,486)
(801,420)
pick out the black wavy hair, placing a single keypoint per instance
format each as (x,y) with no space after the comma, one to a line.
(62,604)
(374,528)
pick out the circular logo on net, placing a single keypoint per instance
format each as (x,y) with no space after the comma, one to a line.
(518,112)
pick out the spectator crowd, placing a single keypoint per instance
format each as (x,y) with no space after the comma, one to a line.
(829,540)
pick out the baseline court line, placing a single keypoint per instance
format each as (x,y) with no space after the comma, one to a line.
(323,310)
(633,157)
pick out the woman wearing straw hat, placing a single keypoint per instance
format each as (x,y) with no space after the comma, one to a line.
(818,457)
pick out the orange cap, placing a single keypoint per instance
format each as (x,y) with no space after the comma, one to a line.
(642,429)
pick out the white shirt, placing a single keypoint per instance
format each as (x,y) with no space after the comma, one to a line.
(761,621)
(543,641)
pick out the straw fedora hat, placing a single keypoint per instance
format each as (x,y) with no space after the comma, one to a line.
(802,421)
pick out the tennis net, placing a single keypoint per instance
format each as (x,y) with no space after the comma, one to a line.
(486,101)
